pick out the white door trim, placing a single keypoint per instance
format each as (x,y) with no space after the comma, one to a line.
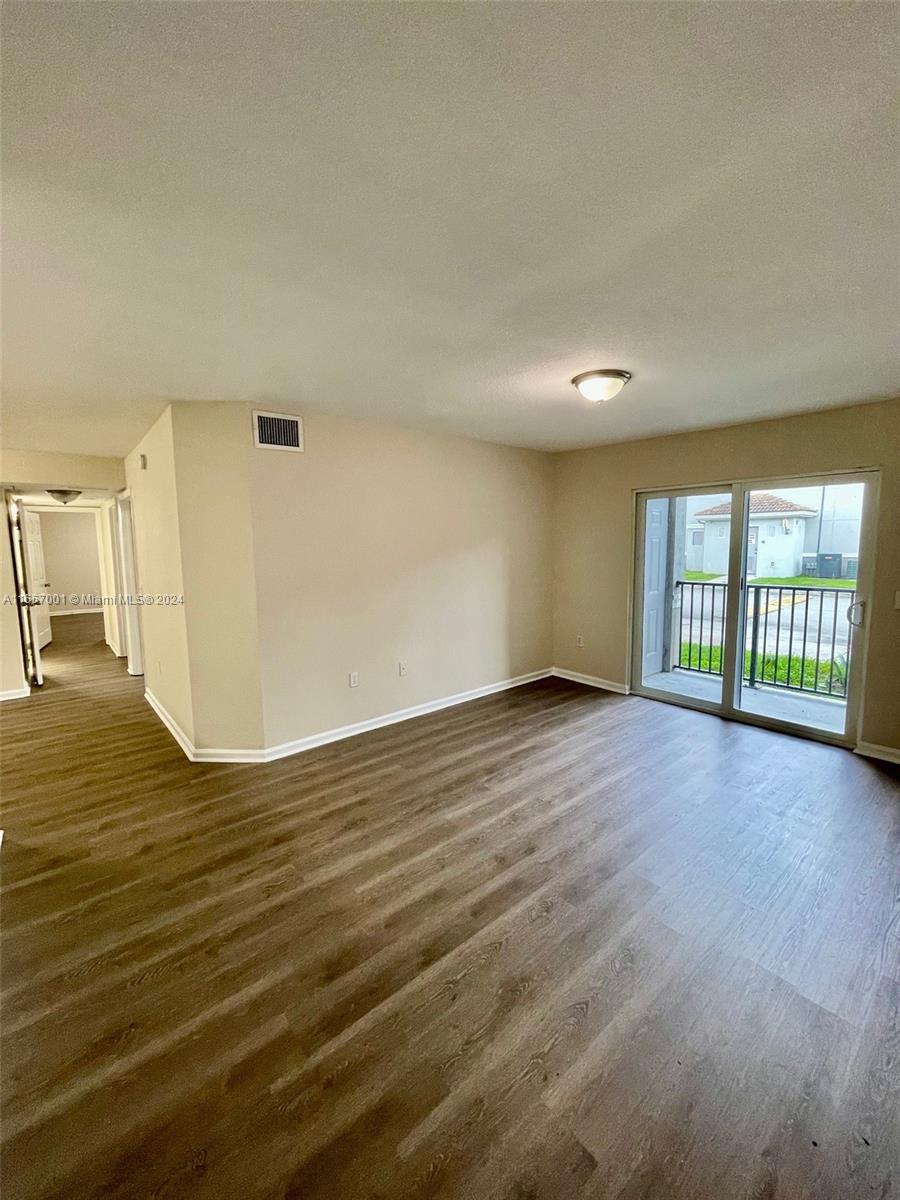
(127,566)
(23,569)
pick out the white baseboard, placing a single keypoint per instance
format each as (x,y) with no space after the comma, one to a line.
(608,685)
(285,749)
(403,714)
(172,725)
(885,753)
(72,612)
(16,694)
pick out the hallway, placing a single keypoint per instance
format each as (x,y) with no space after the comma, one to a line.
(554,943)
(77,646)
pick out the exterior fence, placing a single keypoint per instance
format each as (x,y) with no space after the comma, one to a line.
(797,638)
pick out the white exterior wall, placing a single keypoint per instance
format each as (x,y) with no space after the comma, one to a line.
(715,546)
(693,555)
(779,553)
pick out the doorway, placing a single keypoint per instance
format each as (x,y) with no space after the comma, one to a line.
(75,577)
(750,600)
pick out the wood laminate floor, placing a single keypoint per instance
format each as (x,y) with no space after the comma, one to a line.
(548,945)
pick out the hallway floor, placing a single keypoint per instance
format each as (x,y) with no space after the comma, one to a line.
(554,943)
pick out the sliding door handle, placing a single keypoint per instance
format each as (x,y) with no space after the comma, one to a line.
(856,614)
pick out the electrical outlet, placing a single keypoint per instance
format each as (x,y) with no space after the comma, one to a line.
(402,668)
(354,678)
(579,640)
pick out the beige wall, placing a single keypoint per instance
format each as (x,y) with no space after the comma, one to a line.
(193,538)
(378,545)
(470,562)
(71,559)
(213,444)
(374,546)
(155,509)
(593,530)
(24,467)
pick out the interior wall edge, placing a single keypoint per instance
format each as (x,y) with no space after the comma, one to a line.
(884,753)
(607,685)
(311,742)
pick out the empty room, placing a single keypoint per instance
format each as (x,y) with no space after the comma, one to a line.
(450,625)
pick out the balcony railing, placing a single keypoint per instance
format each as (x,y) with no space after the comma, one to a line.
(796,638)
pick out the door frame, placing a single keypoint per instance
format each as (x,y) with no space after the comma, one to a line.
(734,614)
(134,649)
(31,654)
(871,477)
(38,613)
(637,608)
(665,615)
(104,511)
(119,567)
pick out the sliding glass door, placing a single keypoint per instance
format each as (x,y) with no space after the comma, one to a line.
(750,601)
(683,592)
(804,600)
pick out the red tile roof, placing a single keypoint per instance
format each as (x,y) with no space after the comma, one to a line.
(760,502)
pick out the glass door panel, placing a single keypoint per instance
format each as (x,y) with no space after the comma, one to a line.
(683,593)
(802,555)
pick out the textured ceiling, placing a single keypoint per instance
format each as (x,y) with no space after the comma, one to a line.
(436,214)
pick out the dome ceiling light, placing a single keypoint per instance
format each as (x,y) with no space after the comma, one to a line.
(601,385)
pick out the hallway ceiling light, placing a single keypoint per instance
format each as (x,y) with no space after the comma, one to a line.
(63,495)
(601,385)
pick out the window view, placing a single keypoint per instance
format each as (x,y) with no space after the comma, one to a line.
(802,560)
(685,587)
(802,554)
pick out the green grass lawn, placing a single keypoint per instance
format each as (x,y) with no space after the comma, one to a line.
(848,585)
(804,581)
(771,670)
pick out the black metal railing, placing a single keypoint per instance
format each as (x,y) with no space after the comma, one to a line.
(797,638)
(703,613)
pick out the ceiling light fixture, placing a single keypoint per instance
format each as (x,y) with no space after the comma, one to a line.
(601,385)
(63,495)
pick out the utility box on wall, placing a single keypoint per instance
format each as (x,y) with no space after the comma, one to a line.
(829,566)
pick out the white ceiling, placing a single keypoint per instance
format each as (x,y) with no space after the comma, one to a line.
(436,214)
